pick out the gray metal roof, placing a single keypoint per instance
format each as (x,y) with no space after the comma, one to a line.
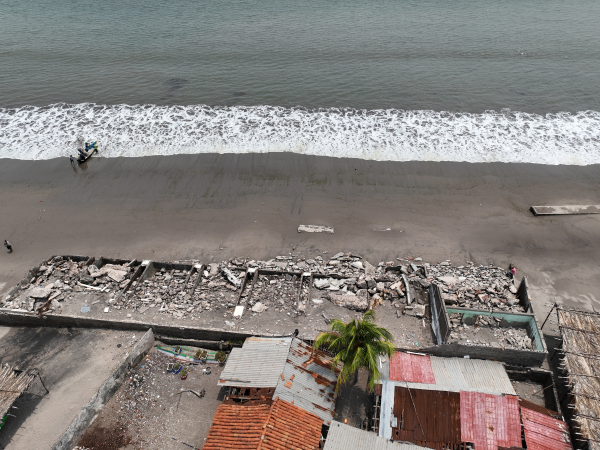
(259,363)
(463,374)
(312,381)
(344,437)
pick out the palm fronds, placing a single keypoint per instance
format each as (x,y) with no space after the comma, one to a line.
(359,343)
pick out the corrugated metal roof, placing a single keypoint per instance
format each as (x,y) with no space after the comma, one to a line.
(411,367)
(308,381)
(545,433)
(427,418)
(458,374)
(345,437)
(387,409)
(259,363)
(490,421)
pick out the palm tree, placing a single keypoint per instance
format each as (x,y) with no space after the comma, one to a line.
(359,343)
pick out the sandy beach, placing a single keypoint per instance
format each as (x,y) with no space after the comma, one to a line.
(214,207)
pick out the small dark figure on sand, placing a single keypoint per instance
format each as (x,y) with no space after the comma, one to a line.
(72,160)
(8,246)
(512,271)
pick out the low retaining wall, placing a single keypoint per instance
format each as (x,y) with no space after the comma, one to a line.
(87,415)
(19,318)
(510,356)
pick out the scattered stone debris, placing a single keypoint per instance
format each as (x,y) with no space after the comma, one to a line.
(287,283)
(488,332)
(61,277)
(478,287)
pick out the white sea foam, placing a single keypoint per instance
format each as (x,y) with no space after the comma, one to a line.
(393,135)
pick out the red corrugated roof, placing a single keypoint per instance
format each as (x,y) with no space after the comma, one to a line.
(545,433)
(263,427)
(411,368)
(490,421)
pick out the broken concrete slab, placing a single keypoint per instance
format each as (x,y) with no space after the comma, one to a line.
(415,310)
(565,210)
(314,229)
(116,275)
(259,307)
(39,293)
(231,277)
(321,283)
(448,280)
(358,301)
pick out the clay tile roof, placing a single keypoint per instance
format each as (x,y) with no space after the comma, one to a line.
(237,427)
(281,426)
(290,427)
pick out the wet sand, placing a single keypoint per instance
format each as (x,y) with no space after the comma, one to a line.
(213,207)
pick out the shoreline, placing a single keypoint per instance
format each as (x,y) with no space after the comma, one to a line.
(215,207)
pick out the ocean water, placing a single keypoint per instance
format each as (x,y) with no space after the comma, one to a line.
(467,80)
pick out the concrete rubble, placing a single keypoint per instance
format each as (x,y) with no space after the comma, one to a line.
(471,286)
(286,284)
(60,278)
(487,332)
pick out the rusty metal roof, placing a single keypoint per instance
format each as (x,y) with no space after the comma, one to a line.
(307,380)
(263,427)
(345,437)
(441,419)
(449,374)
(412,368)
(490,421)
(426,418)
(259,363)
(543,432)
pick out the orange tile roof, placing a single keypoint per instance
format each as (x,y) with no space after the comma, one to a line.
(291,427)
(237,427)
(282,426)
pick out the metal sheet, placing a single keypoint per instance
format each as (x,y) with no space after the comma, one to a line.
(308,381)
(456,374)
(345,437)
(387,409)
(490,421)
(427,418)
(411,367)
(545,433)
(259,363)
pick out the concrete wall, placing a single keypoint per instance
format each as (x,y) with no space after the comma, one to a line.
(521,357)
(87,415)
(17,318)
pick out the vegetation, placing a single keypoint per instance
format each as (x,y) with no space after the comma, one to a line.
(200,354)
(359,343)
(220,356)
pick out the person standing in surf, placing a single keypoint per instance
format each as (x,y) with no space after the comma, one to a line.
(8,246)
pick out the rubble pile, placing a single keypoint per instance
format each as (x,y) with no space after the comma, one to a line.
(279,292)
(182,295)
(357,284)
(488,332)
(59,277)
(478,287)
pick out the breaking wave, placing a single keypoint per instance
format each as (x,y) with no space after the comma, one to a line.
(54,131)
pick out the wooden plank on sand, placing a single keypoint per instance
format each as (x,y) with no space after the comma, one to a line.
(565,210)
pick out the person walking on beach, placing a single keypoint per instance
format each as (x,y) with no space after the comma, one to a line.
(72,160)
(8,246)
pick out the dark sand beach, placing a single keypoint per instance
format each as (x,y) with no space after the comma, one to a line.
(212,207)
